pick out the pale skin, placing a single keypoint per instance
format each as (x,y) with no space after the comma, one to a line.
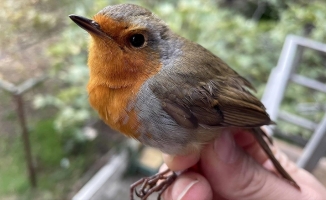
(235,167)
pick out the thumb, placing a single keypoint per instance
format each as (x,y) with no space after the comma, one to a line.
(233,174)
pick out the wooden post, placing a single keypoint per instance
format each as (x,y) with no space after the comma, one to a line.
(17,92)
(25,137)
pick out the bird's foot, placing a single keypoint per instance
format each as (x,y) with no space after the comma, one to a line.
(151,184)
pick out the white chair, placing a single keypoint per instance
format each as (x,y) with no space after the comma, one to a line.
(274,93)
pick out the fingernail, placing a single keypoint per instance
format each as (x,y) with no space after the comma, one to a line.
(187,188)
(225,147)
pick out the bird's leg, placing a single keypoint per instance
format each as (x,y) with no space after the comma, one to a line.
(149,185)
(170,179)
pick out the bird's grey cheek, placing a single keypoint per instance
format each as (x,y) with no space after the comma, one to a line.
(170,52)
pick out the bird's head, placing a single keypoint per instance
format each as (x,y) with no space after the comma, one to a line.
(126,45)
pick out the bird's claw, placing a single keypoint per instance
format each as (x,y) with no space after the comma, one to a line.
(151,184)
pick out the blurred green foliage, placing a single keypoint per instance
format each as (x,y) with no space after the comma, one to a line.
(55,177)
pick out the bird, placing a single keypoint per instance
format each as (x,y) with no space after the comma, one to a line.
(164,90)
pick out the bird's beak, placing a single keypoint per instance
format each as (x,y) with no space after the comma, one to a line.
(91,26)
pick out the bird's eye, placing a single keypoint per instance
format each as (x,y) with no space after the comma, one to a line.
(137,40)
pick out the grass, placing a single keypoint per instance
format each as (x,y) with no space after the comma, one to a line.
(12,166)
(54,181)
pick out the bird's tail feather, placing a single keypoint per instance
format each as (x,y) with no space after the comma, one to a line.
(259,134)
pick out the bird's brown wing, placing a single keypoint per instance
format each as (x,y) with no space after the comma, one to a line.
(201,97)
(205,90)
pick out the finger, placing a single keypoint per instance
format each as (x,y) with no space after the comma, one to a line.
(180,163)
(247,141)
(189,186)
(235,175)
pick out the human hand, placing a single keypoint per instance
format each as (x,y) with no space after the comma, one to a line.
(235,167)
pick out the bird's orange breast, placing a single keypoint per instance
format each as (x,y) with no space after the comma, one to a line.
(115,109)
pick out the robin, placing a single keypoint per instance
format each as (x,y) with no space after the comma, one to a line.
(164,90)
